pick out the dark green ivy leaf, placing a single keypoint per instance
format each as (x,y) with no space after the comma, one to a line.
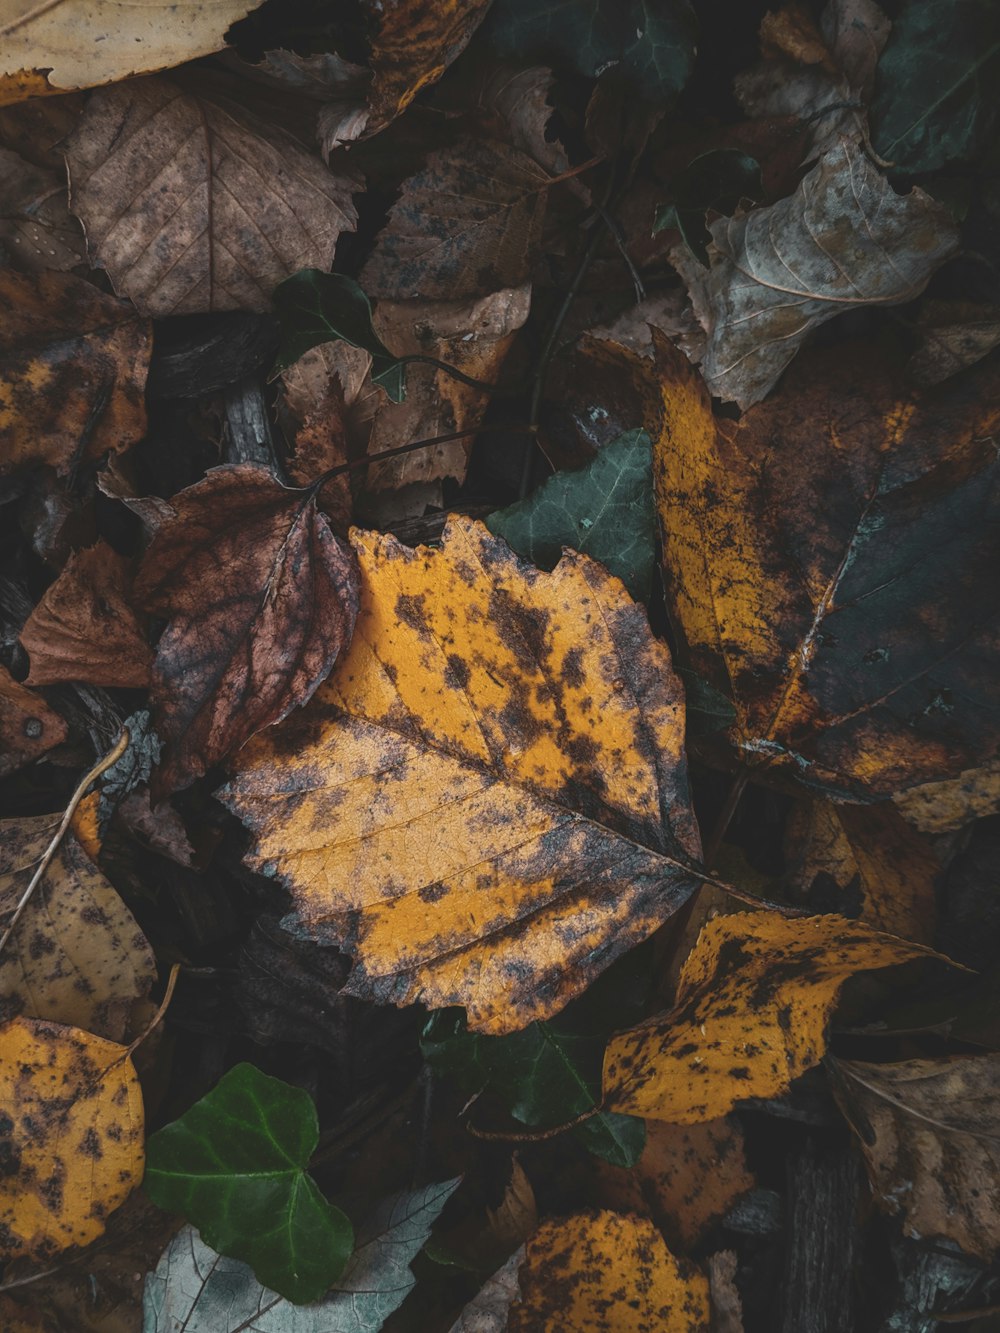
(717,180)
(234,1166)
(315,307)
(651,41)
(937,89)
(605,510)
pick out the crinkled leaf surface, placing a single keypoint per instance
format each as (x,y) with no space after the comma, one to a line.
(605,510)
(71,1136)
(261,598)
(487,803)
(234,1166)
(201,1291)
(831,562)
(752,1006)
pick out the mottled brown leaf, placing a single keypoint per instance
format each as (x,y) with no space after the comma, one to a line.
(36,228)
(261,598)
(943,807)
(28,726)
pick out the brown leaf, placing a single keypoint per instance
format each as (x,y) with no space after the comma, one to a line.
(36,228)
(727,1308)
(85,627)
(321,444)
(832,563)
(930,1133)
(954,335)
(943,807)
(28,726)
(193,205)
(466,225)
(73,366)
(261,598)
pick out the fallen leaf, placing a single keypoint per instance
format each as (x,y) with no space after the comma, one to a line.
(843,240)
(73,365)
(515,104)
(261,598)
(71,1136)
(604,510)
(76,955)
(863,860)
(81,43)
(194,205)
(536,825)
(943,807)
(953,336)
(727,1308)
(831,567)
(467,224)
(601,1272)
(28,726)
(718,181)
(489,1309)
(483,1237)
(36,229)
(752,1006)
(930,1134)
(85,627)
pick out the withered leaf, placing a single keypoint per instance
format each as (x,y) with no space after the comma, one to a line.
(832,563)
(71,1136)
(930,1133)
(487,803)
(73,366)
(752,1005)
(193,205)
(466,225)
(261,598)
(36,228)
(942,807)
(28,726)
(85,628)
(76,955)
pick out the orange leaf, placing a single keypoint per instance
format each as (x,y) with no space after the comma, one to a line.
(28,726)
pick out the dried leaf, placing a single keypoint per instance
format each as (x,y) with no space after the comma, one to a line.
(193,205)
(35,227)
(601,1272)
(954,335)
(77,955)
(832,567)
(71,1136)
(841,241)
(943,807)
(727,1308)
(73,366)
(489,1309)
(261,598)
(28,726)
(930,1134)
(81,43)
(85,627)
(752,1006)
(466,225)
(487,803)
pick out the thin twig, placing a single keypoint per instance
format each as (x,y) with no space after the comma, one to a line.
(356,463)
(113,755)
(725,816)
(164,1005)
(533,1136)
(418,358)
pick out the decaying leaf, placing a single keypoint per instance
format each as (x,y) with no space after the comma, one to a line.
(193,205)
(261,598)
(73,365)
(466,225)
(752,1006)
(930,1133)
(77,955)
(71,1136)
(28,726)
(832,564)
(487,803)
(954,335)
(36,228)
(489,1309)
(844,239)
(604,1272)
(942,807)
(85,627)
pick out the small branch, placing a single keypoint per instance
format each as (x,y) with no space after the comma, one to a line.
(158,1016)
(725,817)
(100,767)
(418,358)
(533,1136)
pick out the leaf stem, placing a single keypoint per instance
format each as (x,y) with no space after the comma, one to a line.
(536,1135)
(418,358)
(398,449)
(725,816)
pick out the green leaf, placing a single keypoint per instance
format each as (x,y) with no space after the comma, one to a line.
(937,89)
(717,180)
(652,41)
(605,509)
(315,307)
(234,1166)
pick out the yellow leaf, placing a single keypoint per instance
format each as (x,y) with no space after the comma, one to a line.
(71,1136)
(752,1006)
(942,807)
(76,955)
(487,802)
(604,1272)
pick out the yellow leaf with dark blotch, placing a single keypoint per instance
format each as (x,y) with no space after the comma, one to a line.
(73,365)
(943,807)
(28,726)
(752,1006)
(831,563)
(487,802)
(71,1136)
(865,861)
(930,1133)
(604,1272)
(77,955)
